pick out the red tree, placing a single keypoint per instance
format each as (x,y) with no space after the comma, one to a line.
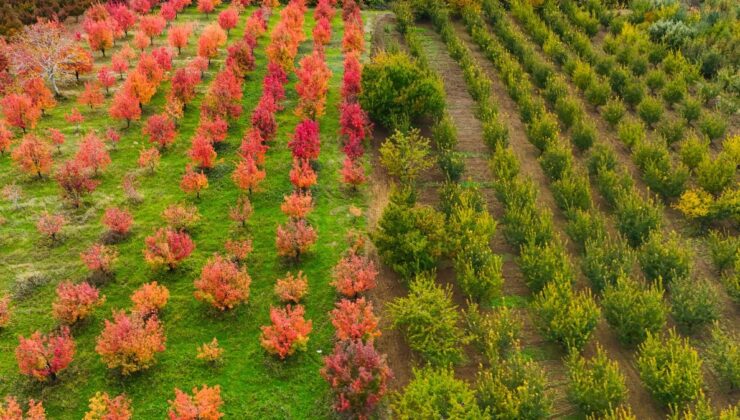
(240,58)
(202,152)
(354,274)
(50,225)
(149,158)
(297,205)
(99,36)
(41,96)
(215,130)
(355,320)
(6,138)
(75,302)
(118,220)
(179,35)
(358,376)
(302,176)
(274,84)
(351,81)
(44,356)
(75,181)
(150,298)
(321,33)
(184,82)
(242,211)
(253,145)
(33,156)
(263,118)
(168,11)
(167,248)
(11,410)
(238,250)
(141,40)
(123,16)
(163,56)
(305,143)
(211,39)
(140,87)
(224,98)
(205,404)
(131,342)
(92,153)
(222,284)
(91,96)
(125,107)
(353,173)
(161,130)
(76,118)
(288,333)
(106,78)
(99,258)
(5,311)
(120,64)
(206,6)
(152,25)
(112,136)
(294,238)
(247,175)
(141,7)
(354,126)
(193,182)
(228,19)
(19,111)
(313,83)
(291,289)
(103,407)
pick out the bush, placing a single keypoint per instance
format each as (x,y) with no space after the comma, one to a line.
(406,156)
(543,264)
(667,180)
(724,249)
(613,111)
(557,160)
(631,132)
(409,238)
(712,125)
(693,150)
(633,310)
(568,111)
(564,316)
(650,110)
(637,217)
(595,385)
(674,91)
(605,260)
(598,93)
(131,342)
(515,388)
(43,357)
(478,272)
(396,91)
(287,333)
(583,75)
(655,80)
(723,353)
(222,284)
(435,394)
(496,333)
(429,321)
(527,224)
(572,192)
(543,131)
(601,158)
(633,93)
(670,369)
(690,110)
(665,257)
(672,130)
(714,175)
(694,303)
(556,88)
(613,185)
(495,133)
(583,134)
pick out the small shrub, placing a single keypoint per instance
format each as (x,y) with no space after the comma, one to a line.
(694,303)
(205,404)
(291,289)
(556,160)
(633,310)
(670,369)
(655,80)
(714,175)
(496,333)
(585,225)
(75,302)
(723,354)
(355,320)
(666,258)
(210,352)
(582,75)
(674,91)
(222,284)
(150,298)
(605,260)
(167,247)
(131,342)
(288,332)
(613,111)
(429,321)
(693,150)
(633,93)
(724,249)
(354,274)
(650,111)
(598,93)
(572,192)
(595,385)
(543,131)
(583,134)
(406,156)
(495,133)
(564,316)
(690,110)
(435,393)
(515,388)
(637,217)
(672,130)
(543,264)
(712,125)
(103,407)
(631,132)
(666,179)
(601,158)
(44,356)
(568,111)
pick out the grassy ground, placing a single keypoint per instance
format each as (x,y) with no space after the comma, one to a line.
(253,384)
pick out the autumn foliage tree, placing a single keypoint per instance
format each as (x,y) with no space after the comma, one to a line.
(125,107)
(263,117)
(305,143)
(44,356)
(124,17)
(202,152)
(211,39)
(150,298)
(240,58)
(152,25)
(6,138)
(99,258)
(76,118)
(75,181)
(358,377)
(19,111)
(206,6)
(224,97)
(149,159)
(253,145)
(312,86)
(160,130)
(204,404)
(222,284)
(297,205)
(167,247)
(355,320)
(91,96)
(292,288)
(228,19)
(41,96)
(242,211)
(294,238)
(353,173)
(118,220)
(104,407)
(178,36)
(99,36)
(106,78)
(10,409)
(247,176)
(130,342)
(50,225)
(33,156)
(92,153)
(5,311)
(75,302)
(302,176)
(183,85)
(193,182)
(352,78)
(288,332)
(354,274)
